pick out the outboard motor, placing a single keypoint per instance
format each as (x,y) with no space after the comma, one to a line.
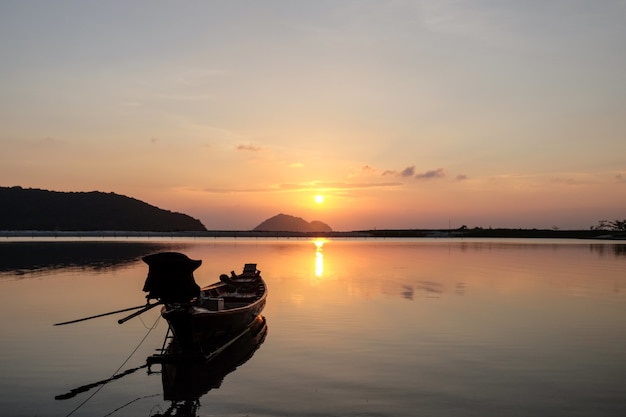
(170,277)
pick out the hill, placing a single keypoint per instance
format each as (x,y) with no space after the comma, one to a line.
(35,209)
(286,223)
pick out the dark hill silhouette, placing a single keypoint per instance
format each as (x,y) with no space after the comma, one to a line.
(286,223)
(35,209)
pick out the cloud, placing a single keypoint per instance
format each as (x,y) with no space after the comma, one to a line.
(249,148)
(304,186)
(236,190)
(405,173)
(365,170)
(461,177)
(435,173)
(565,181)
(336,185)
(408,172)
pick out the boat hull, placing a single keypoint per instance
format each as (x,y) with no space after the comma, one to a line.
(196,328)
(223,309)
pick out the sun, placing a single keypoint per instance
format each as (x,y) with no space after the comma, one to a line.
(319,199)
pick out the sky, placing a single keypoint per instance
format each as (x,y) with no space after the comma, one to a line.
(401,114)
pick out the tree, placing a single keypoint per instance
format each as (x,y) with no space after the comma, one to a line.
(615,225)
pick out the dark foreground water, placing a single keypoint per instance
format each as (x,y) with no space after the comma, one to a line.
(355,328)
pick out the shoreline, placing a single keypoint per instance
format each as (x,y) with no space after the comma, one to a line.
(390,233)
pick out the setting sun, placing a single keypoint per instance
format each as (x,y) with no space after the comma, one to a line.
(345,136)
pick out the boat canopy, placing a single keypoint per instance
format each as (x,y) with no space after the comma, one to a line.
(170,277)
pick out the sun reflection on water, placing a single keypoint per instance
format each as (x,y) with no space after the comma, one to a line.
(319,257)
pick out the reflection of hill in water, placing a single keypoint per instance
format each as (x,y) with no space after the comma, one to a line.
(33,257)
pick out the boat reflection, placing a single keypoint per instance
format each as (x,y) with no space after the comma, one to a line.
(186,379)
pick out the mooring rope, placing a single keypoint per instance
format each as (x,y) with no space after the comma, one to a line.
(130,402)
(146,326)
(118,369)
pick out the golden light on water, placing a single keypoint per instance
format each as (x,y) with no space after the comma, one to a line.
(319,257)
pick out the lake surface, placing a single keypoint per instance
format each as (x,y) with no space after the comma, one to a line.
(370,327)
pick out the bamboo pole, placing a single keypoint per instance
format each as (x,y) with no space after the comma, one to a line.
(103,314)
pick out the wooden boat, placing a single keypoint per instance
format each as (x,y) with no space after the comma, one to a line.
(201,319)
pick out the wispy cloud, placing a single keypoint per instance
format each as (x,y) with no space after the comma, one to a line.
(336,185)
(249,148)
(435,173)
(566,181)
(404,173)
(236,190)
(364,171)
(461,177)
(408,172)
(304,186)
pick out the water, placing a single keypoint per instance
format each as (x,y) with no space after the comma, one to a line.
(356,328)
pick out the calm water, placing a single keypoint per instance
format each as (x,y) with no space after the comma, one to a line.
(356,328)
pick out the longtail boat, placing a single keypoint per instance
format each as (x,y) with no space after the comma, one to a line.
(212,330)
(202,319)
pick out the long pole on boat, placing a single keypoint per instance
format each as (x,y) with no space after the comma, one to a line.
(104,314)
(136,313)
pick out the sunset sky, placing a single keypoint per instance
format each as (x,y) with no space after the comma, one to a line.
(401,114)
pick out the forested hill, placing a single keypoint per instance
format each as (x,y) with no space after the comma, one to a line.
(288,223)
(34,209)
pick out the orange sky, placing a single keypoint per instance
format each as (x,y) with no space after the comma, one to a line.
(402,114)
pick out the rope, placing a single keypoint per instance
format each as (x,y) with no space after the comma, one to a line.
(130,402)
(146,326)
(118,369)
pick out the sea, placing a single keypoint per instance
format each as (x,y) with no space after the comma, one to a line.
(355,327)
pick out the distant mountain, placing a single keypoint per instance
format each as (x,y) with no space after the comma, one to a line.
(287,223)
(35,209)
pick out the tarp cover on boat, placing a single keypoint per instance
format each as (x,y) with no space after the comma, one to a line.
(170,277)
